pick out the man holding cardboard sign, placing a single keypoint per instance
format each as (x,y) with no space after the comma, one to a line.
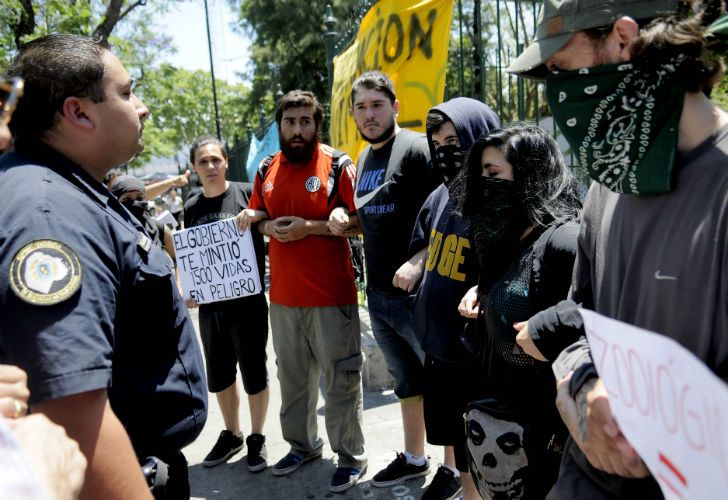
(628,83)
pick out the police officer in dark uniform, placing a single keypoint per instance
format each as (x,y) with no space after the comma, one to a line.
(76,270)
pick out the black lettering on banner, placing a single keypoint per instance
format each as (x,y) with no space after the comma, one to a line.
(397,22)
(425,38)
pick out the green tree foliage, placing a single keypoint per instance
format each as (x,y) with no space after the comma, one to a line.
(182,108)
(180,101)
(288,48)
(501,89)
(24,20)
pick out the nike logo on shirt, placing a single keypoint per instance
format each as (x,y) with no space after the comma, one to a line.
(659,276)
(360,201)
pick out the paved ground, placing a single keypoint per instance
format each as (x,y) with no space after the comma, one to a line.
(382,431)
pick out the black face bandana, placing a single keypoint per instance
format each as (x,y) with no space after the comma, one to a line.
(622,122)
(497,225)
(139,209)
(448,161)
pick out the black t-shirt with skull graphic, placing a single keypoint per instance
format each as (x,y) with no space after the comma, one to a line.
(515,435)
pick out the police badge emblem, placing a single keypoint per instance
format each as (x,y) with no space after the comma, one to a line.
(45,272)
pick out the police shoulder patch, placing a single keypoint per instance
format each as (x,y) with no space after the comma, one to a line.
(45,272)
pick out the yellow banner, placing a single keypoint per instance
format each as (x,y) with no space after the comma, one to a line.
(407,40)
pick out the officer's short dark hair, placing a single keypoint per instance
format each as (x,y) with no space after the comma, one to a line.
(204,141)
(373,80)
(54,68)
(300,99)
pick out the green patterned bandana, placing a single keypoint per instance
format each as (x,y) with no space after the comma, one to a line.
(621,122)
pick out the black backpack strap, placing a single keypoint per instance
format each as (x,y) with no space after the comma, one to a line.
(404,143)
(360,164)
(339,161)
(263,168)
(542,261)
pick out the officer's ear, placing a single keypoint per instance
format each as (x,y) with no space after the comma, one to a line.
(74,110)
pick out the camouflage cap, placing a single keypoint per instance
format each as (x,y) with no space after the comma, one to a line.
(560,19)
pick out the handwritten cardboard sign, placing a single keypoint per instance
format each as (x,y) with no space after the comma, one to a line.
(216,262)
(668,404)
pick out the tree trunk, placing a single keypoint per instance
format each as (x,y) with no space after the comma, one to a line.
(26,24)
(113,15)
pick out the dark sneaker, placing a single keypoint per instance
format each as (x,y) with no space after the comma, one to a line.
(257,454)
(228,444)
(291,462)
(398,471)
(345,477)
(444,486)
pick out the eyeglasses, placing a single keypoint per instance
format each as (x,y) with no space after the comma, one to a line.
(10,92)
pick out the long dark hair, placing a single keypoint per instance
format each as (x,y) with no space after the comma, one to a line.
(549,187)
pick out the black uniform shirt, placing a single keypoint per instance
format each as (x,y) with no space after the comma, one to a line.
(87,302)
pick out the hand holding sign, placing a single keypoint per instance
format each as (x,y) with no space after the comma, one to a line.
(248,216)
(216,262)
(670,407)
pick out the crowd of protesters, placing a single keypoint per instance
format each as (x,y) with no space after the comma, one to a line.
(478,250)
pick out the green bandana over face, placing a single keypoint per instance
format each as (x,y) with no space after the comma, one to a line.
(621,122)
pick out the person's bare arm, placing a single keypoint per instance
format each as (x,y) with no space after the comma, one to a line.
(113,471)
(291,228)
(342,223)
(248,217)
(592,427)
(409,273)
(469,304)
(161,187)
(524,339)
(168,242)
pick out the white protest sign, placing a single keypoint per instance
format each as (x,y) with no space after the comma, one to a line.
(166,217)
(216,262)
(668,404)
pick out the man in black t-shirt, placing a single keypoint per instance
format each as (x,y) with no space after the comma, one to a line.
(393,180)
(232,331)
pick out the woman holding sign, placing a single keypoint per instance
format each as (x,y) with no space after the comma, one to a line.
(233,331)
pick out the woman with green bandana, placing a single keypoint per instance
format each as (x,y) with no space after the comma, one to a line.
(629,92)
(521,204)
